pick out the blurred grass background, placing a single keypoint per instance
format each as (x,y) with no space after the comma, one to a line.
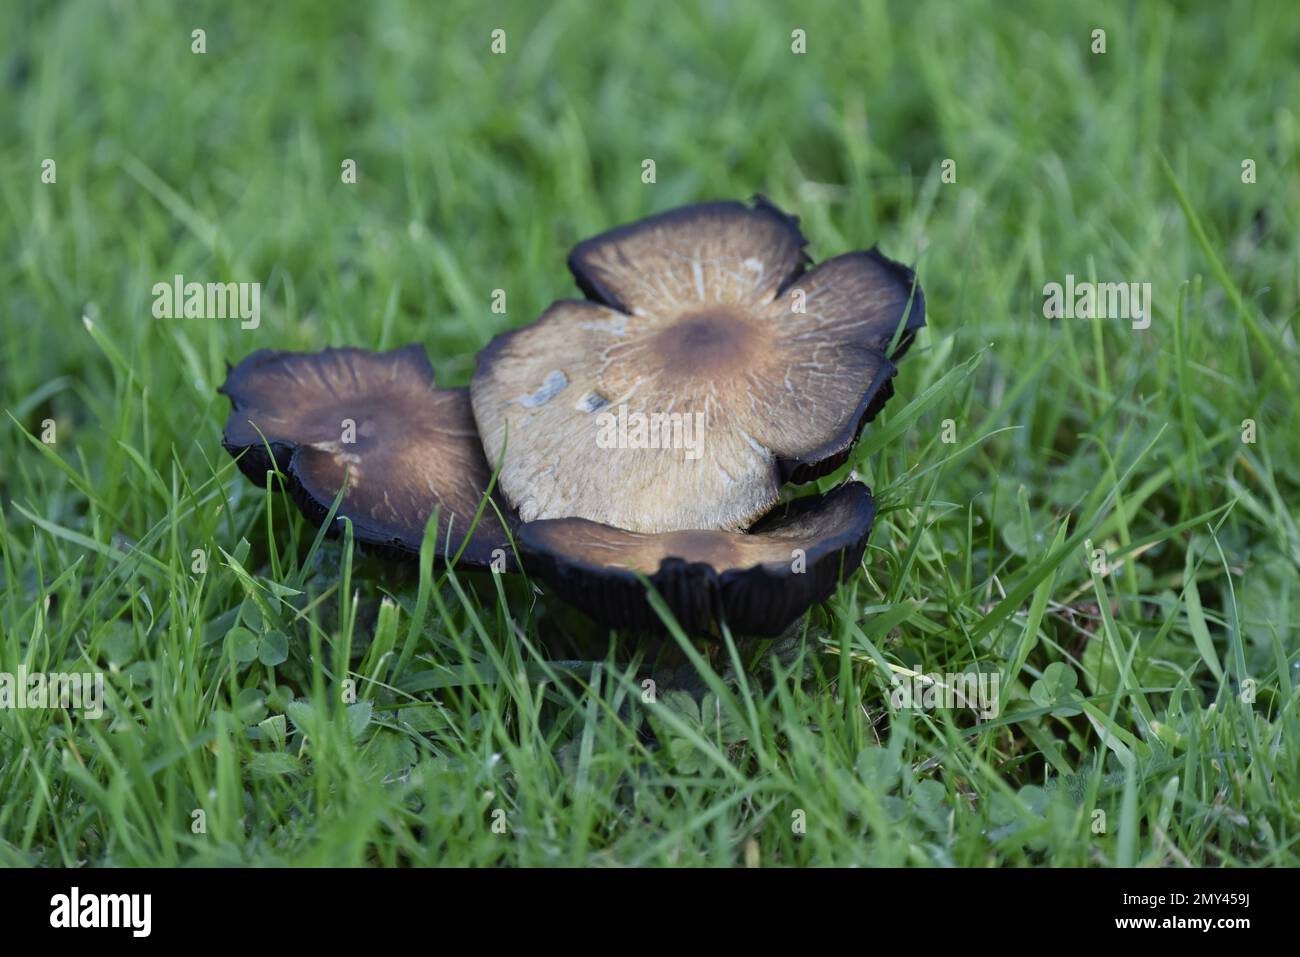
(479,171)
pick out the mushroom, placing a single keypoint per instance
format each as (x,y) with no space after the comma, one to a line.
(701,322)
(758,583)
(375,422)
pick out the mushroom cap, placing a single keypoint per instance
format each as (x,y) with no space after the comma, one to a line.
(757,582)
(413,447)
(703,331)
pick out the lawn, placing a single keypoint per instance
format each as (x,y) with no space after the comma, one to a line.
(1101,514)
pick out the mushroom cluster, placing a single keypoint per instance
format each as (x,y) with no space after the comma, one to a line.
(639,436)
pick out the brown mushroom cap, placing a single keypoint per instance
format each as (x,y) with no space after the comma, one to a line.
(702,310)
(414,448)
(758,583)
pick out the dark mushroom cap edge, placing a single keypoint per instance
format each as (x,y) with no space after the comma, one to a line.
(705,578)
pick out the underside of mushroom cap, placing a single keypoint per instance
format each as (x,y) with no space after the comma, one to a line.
(758,583)
(375,422)
(707,369)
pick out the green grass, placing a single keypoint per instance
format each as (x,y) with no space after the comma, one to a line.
(477,695)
